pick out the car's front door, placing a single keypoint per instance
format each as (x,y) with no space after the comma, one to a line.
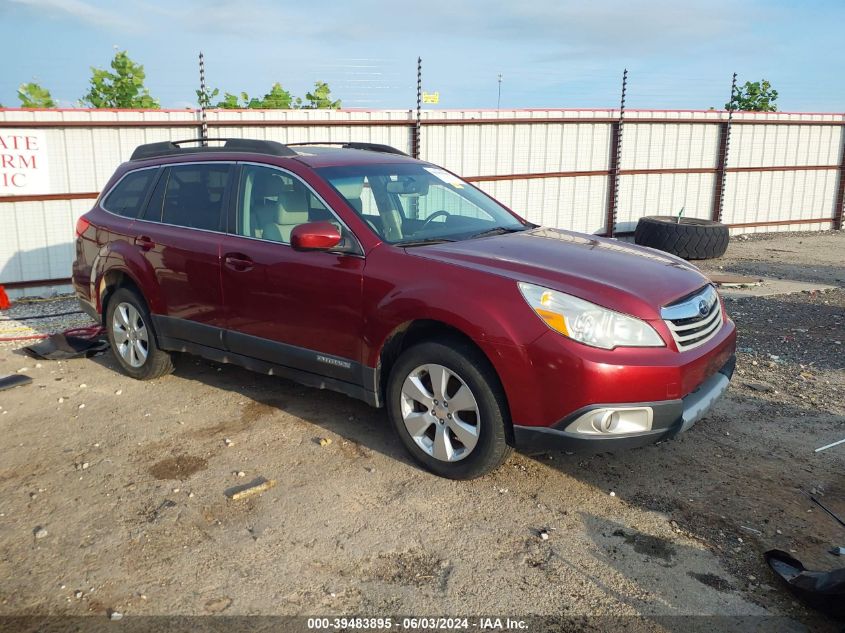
(296,309)
(180,234)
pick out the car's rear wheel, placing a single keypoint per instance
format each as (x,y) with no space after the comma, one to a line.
(132,338)
(449,409)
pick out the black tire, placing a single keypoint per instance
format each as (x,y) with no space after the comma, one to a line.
(692,238)
(158,362)
(473,368)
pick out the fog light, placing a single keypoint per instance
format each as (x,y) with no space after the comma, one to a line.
(613,421)
(605,421)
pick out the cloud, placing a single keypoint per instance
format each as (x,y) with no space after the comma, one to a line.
(246,19)
(572,27)
(79,10)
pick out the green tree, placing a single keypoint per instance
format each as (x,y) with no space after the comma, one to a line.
(204,98)
(34,96)
(277,99)
(757,96)
(230,101)
(121,88)
(321,97)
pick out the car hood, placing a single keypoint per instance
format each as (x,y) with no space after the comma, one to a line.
(614,274)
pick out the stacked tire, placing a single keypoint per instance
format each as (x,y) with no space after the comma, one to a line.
(689,238)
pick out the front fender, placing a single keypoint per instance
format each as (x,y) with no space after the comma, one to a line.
(487,309)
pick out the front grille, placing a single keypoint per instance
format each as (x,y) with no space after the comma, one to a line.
(695,320)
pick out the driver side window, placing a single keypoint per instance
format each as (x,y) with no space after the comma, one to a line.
(272,203)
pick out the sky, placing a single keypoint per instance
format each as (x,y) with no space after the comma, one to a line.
(680,54)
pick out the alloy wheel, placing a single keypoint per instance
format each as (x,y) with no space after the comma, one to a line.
(130,333)
(440,412)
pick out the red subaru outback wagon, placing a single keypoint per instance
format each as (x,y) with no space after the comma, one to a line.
(359,269)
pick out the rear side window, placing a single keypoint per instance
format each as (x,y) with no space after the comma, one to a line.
(128,195)
(190,195)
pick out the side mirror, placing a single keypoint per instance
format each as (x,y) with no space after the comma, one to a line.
(315,236)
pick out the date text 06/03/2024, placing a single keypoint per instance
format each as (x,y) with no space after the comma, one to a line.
(417,623)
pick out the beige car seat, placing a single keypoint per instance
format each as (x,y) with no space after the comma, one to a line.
(291,211)
(351,189)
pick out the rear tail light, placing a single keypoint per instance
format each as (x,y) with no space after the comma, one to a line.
(81,226)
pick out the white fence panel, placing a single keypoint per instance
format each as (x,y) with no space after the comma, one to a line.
(551,166)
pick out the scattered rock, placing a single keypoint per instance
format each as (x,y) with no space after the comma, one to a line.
(114,615)
(157,514)
(544,535)
(40,532)
(325,441)
(216,605)
(255,487)
(759,386)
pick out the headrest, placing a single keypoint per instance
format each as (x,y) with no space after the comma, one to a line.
(292,207)
(295,200)
(350,188)
(268,185)
(193,191)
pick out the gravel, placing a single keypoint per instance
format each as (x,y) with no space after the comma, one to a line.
(683,532)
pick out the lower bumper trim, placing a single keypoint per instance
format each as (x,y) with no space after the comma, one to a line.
(672,417)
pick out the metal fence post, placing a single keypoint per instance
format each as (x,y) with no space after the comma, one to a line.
(839,203)
(722,159)
(417,124)
(615,156)
(203,102)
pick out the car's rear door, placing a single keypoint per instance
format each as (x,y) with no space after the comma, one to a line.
(180,235)
(296,309)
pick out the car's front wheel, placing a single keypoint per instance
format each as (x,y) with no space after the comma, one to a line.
(449,409)
(132,338)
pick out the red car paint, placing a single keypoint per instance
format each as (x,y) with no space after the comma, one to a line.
(343,306)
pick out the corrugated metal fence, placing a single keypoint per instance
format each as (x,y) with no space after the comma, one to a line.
(783,171)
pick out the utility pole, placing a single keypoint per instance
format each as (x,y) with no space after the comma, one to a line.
(499,98)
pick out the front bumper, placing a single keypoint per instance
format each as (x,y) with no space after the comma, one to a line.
(669,418)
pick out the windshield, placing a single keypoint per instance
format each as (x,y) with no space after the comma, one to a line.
(410,203)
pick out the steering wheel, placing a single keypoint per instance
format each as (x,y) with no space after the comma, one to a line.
(436,214)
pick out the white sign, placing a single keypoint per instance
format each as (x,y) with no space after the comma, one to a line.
(23,162)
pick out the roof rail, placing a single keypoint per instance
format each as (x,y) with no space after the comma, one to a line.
(173,148)
(369,147)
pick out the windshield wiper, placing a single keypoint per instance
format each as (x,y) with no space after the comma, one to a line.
(498,230)
(427,240)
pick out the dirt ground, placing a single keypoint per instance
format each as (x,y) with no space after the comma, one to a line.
(112,490)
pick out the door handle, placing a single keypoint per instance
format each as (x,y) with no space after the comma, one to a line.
(144,242)
(237,261)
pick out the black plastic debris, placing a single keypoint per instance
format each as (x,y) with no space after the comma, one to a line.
(61,347)
(15,380)
(824,591)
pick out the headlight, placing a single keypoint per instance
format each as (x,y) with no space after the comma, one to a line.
(586,322)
